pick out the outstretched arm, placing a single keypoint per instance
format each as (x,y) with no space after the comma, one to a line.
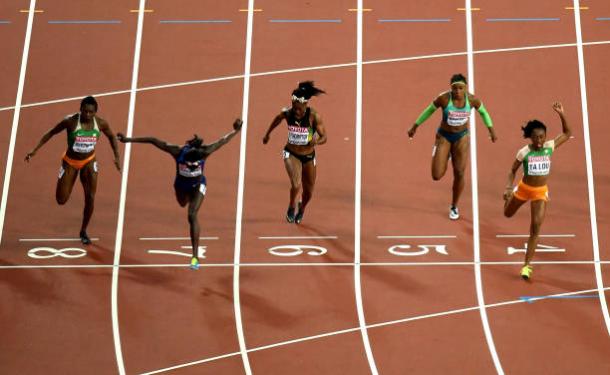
(565,127)
(426,115)
(105,128)
(478,104)
(511,179)
(276,121)
(208,149)
(174,150)
(45,138)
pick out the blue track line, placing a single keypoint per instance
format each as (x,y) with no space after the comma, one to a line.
(602,19)
(2,22)
(193,21)
(85,22)
(415,20)
(521,19)
(305,21)
(532,299)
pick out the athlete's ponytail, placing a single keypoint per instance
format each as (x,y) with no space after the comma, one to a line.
(305,91)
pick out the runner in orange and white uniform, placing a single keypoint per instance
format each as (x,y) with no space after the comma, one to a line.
(536,161)
(83,130)
(305,131)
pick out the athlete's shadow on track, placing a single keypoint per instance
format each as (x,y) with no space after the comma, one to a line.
(264,309)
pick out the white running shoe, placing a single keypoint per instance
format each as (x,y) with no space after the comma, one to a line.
(454,213)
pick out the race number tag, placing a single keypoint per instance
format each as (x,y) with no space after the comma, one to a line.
(84,145)
(298,135)
(539,165)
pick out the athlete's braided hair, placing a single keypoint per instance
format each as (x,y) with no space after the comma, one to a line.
(531,125)
(457,78)
(88,100)
(306,90)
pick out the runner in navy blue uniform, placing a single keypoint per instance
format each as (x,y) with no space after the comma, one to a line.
(305,131)
(190,183)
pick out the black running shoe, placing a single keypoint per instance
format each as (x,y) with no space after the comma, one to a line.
(299,217)
(290,215)
(84,238)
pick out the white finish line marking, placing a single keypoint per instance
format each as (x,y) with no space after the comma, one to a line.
(53,239)
(411,237)
(540,236)
(298,238)
(174,238)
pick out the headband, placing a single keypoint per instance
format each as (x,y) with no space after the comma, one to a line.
(456,82)
(300,100)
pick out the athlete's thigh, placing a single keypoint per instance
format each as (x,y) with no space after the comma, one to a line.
(195,200)
(538,211)
(512,206)
(309,173)
(459,153)
(440,154)
(182,196)
(293,168)
(66,178)
(88,177)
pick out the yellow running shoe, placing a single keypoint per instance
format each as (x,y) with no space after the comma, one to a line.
(194,263)
(526,272)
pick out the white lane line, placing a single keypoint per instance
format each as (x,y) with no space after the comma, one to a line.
(54,239)
(16,114)
(121,216)
(174,238)
(358,197)
(414,237)
(240,193)
(585,120)
(312,264)
(297,238)
(305,69)
(475,198)
(356,329)
(541,236)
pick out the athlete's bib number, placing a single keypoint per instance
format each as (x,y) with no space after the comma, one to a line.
(84,145)
(539,166)
(298,135)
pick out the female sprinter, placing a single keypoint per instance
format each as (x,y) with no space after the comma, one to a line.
(536,160)
(190,183)
(452,140)
(83,130)
(305,131)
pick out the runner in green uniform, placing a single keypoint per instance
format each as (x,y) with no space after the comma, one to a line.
(83,130)
(452,139)
(536,161)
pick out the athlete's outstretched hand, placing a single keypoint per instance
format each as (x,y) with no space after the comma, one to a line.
(412,131)
(558,107)
(237,124)
(29,156)
(121,137)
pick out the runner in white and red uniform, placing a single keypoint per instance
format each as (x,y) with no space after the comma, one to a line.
(83,130)
(305,131)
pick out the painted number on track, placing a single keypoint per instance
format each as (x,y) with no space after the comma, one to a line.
(201,250)
(296,250)
(540,249)
(51,252)
(407,251)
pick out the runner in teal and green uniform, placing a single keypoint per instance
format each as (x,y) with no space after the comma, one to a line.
(83,130)
(452,139)
(305,131)
(536,161)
